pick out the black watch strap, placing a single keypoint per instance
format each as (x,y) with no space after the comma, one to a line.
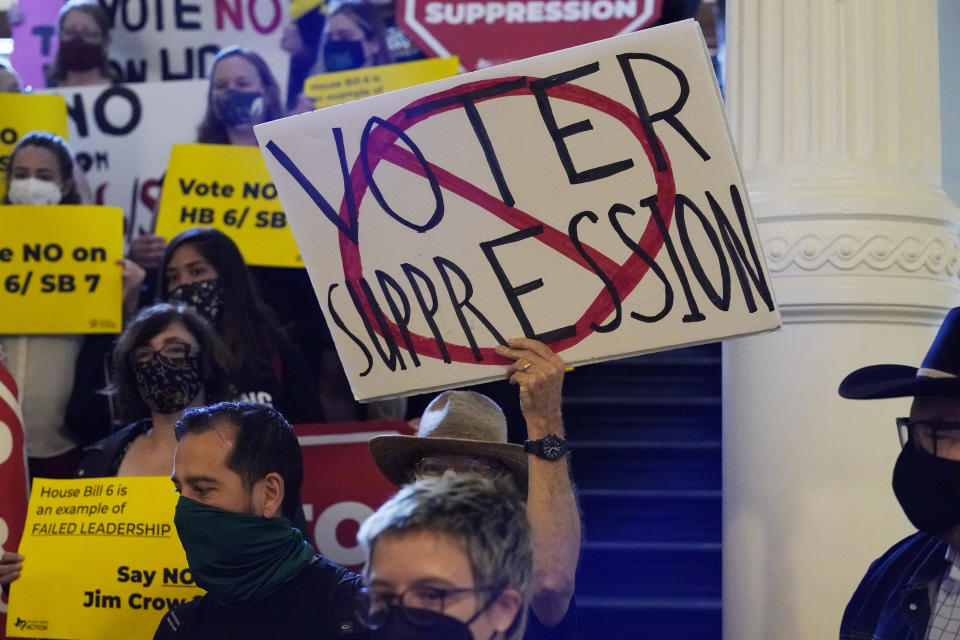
(549,448)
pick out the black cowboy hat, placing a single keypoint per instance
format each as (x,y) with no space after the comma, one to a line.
(938,375)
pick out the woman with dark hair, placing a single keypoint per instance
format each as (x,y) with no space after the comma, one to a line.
(202,267)
(41,171)
(81,58)
(243,93)
(353,37)
(167,360)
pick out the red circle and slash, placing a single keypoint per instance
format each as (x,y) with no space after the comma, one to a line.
(625,277)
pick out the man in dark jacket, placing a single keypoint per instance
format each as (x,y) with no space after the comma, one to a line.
(238,470)
(913,590)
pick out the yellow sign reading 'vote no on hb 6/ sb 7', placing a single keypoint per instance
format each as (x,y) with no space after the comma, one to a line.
(102,560)
(58,271)
(228,188)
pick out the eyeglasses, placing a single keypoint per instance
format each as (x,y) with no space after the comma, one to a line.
(941,437)
(417,604)
(87,35)
(436,467)
(175,350)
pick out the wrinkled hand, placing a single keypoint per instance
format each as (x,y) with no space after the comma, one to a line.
(10,565)
(538,371)
(147,250)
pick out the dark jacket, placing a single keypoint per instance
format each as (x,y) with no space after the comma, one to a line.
(893,599)
(102,459)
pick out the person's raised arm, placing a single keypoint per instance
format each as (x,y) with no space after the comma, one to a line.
(551,503)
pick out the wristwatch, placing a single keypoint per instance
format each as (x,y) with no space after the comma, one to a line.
(550,448)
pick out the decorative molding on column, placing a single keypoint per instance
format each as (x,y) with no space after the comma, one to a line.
(866,252)
(834,107)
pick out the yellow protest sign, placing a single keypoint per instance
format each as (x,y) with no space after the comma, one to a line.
(343,86)
(228,188)
(299,7)
(58,271)
(102,560)
(21,113)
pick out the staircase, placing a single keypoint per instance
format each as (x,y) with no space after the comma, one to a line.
(645,435)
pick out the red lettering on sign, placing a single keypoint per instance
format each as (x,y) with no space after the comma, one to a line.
(625,277)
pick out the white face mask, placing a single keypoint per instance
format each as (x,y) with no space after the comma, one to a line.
(33,191)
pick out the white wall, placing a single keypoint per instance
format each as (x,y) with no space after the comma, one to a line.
(950,95)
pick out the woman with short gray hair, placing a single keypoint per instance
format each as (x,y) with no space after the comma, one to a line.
(449,558)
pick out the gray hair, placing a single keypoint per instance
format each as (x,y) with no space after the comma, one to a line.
(491,526)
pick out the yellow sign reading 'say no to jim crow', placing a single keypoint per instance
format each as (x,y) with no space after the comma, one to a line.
(102,560)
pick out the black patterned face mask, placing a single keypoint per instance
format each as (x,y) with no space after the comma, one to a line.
(205,296)
(237,109)
(169,385)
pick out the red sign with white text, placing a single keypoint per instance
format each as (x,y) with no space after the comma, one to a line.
(341,484)
(484,34)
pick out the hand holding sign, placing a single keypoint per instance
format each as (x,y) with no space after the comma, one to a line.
(10,565)
(538,372)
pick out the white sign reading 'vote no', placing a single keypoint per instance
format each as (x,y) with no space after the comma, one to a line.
(589,198)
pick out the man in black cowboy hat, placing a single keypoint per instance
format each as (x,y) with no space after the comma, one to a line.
(466,432)
(913,590)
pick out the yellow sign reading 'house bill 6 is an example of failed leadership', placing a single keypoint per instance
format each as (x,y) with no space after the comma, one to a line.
(126,565)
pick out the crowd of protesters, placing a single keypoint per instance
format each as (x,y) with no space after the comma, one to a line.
(482,540)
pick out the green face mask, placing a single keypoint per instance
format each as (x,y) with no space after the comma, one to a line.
(238,558)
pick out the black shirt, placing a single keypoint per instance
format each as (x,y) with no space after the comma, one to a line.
(317,604)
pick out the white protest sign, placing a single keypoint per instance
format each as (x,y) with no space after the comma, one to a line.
(589,198)
(178,40)
(122,136)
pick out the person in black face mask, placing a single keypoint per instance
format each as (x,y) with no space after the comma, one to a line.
(81,57)
(447,557)
(913,591)
(203,268)
(243,93)
(167,359)
(238,470)
(354,36)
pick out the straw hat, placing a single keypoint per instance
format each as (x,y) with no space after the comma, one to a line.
(465,423)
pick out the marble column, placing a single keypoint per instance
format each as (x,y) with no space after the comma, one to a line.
(834,107)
